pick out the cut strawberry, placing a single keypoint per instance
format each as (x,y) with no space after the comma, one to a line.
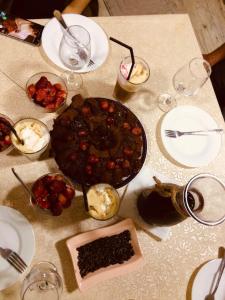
(136,130)
(56,209)
(69,193)
(57,186)
(104,105)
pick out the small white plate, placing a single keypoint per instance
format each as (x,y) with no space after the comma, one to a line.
(204,279)
(17,234)
(189,150)
(53,32)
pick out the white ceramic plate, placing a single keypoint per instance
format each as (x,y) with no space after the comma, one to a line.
(17,234)
(189,150)
(204,279)
(53,32)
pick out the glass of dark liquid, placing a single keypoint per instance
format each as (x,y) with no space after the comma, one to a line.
(202,198)
(125,88)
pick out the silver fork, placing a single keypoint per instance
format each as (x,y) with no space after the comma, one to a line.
(176,133)
(211,296)
(91,63)
(13,259)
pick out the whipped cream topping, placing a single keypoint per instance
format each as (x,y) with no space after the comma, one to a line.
(34,134)
(103,201)
(139,73)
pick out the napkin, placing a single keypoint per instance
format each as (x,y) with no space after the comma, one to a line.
(128,207)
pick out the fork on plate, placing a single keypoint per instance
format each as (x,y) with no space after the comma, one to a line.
(176,133)
(13,259)
(91,63)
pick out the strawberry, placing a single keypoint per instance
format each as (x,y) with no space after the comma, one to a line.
(56,209)
(128,151)
(110,165)
(93,159)
(62,199)
(58,86)
(126,125)
(57,186)
(136,130)
(83,145)
(111,108)
(31,90)
(104,105)
(69,193)
(43,202)
(126,164)
(88,169)
(82,133)
(86,110)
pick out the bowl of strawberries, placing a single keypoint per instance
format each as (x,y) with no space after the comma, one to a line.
(5,139)
(47,90)
(52,192)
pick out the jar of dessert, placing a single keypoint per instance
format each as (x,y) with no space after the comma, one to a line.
(166,204)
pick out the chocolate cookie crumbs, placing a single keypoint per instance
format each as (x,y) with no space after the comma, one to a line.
(104,252)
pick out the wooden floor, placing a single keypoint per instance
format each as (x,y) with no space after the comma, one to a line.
(207,16)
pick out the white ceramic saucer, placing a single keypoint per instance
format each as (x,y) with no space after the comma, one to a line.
(53,32)
(17,234)
(204,279)
(189,150)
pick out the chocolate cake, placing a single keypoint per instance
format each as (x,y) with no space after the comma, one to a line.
(98,140)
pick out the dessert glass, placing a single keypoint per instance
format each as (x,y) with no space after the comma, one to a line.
(48,194)
(10,146)
(103,201)
(54,99)
(125,88)
(35,135)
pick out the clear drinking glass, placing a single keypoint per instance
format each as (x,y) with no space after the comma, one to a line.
(186,81)
(75,53)
(43,282)
(202,198)
(124,88)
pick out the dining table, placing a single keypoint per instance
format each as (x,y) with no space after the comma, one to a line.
(170,265)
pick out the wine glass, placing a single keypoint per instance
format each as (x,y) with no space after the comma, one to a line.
(75,53)
(43,282)
(186,81)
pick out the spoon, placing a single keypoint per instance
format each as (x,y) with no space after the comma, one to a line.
(13,131)
(23,184)
(85,196)
(211,296)
(57,14)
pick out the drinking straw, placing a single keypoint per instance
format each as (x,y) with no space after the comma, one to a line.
(131,54)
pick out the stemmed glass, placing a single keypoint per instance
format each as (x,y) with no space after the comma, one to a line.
(186,81)
(75,53)
(43,282)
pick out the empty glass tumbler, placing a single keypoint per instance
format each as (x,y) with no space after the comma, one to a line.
(75,47)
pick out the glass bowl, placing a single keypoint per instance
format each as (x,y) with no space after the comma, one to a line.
(5,137)
(52,192)
(47,90)
(35,135)
(103,201)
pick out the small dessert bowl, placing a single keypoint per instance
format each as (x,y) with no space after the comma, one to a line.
(103,201)
(47,90)
(5,134)
(35,136)
(52,192)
